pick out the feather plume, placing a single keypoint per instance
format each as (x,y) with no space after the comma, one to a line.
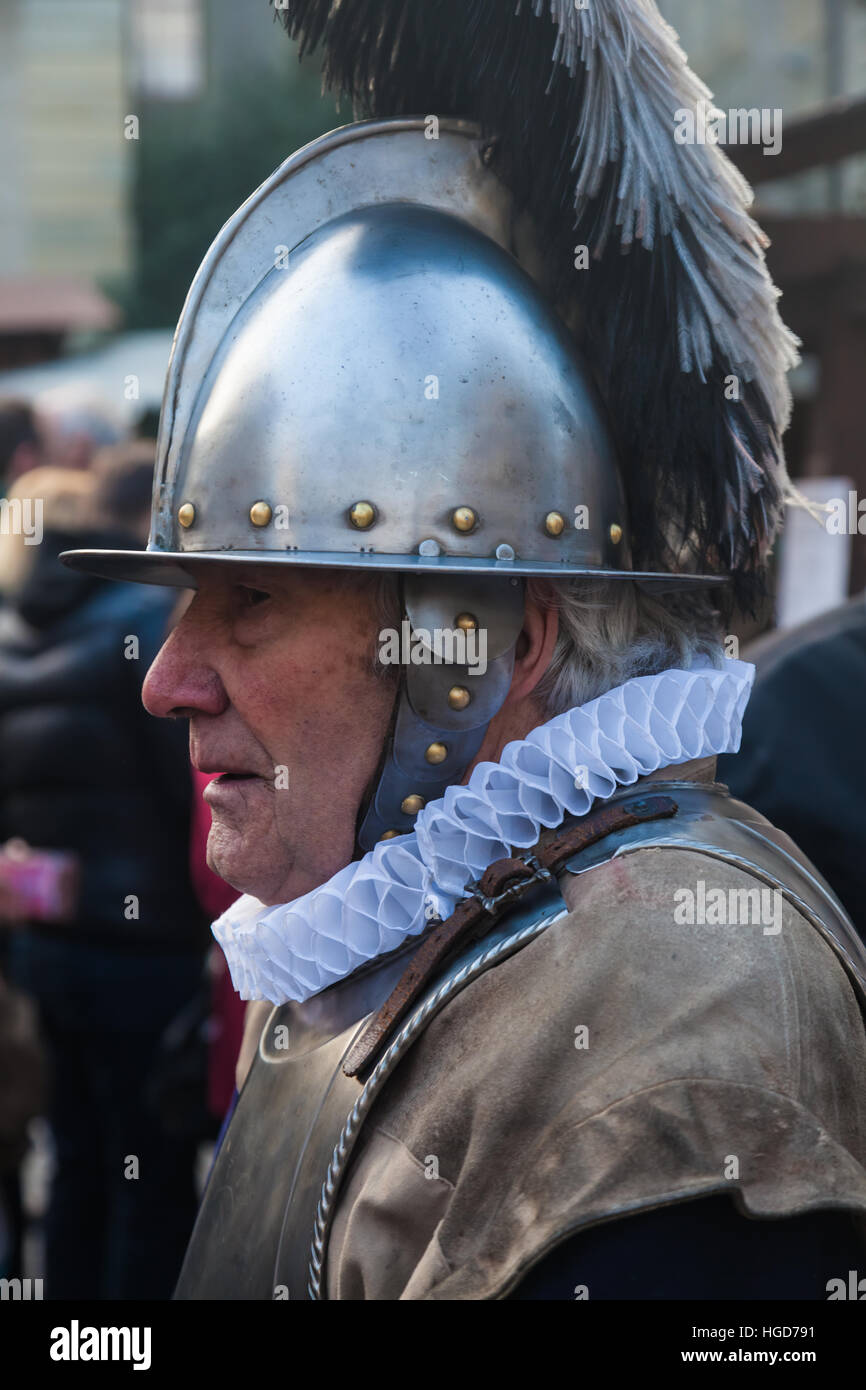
(584,102)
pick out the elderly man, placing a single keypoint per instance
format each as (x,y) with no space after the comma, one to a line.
(546,1001)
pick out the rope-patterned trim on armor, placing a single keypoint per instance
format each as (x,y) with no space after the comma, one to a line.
(410,1030)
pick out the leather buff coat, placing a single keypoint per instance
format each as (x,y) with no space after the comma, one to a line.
(705,1044)
(618,1061)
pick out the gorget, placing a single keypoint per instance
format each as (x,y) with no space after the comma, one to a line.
(374,906)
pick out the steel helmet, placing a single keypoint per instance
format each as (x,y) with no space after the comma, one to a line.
(365,375)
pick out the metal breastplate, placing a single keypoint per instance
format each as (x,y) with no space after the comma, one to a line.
(262,1228)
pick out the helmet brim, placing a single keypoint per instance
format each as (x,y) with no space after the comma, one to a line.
(179,569)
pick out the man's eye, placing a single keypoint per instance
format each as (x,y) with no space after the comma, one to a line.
(251,598)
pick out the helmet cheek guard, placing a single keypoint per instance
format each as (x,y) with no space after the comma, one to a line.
(445,703)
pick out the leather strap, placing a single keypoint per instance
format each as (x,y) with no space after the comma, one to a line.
(499,887)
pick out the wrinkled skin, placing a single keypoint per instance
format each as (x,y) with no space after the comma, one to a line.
(274,668)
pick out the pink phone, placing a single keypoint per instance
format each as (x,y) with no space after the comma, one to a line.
(37,885)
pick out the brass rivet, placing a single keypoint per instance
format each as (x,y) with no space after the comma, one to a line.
(554,523)
(389,834)
(412,804)
(186,514)
(464,518)
(436,753)
(616,533)
(466,622)
(362,515)
(260,513)
(458,697)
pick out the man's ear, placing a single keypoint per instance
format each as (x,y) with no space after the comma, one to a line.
(534,648)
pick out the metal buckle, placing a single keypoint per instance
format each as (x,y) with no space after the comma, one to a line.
(515,890)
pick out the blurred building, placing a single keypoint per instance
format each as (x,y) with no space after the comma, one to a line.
(130,130)
(791,54)
(63,184)
(178,47)
(806,58)
(64,222)
(81,86)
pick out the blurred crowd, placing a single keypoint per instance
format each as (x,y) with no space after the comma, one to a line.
(117,1024)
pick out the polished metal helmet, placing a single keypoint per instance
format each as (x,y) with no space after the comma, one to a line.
(365,375)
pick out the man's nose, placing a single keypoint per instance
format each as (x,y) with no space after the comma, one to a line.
(180,683)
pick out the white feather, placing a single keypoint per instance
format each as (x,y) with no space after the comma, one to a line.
(636,77)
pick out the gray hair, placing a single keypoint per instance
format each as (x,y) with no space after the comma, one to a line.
(611,631)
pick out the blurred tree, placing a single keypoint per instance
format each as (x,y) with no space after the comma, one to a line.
(197,162)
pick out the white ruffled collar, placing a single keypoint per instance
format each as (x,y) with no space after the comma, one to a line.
(372,906)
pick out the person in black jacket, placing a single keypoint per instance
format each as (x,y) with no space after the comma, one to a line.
(85,771)
(801,761)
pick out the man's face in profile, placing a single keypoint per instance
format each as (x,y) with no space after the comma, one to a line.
(274,667)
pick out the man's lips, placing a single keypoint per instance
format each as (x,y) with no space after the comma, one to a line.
(231,787)
(221,773)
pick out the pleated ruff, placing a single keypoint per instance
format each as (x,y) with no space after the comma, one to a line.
(372,906)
